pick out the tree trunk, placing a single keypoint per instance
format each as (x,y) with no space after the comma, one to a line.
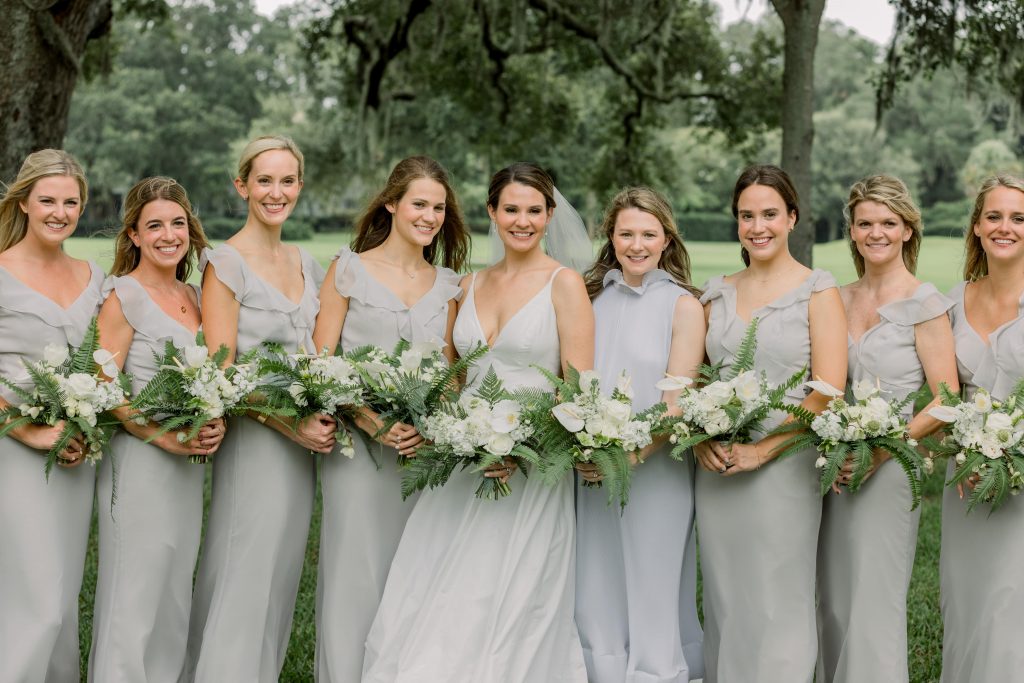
(801,19)
(41,47)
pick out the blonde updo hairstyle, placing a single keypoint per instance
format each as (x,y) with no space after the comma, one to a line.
(894,195)
(267,143)
(674,259)
(37,165)
(126,254)
(976,261)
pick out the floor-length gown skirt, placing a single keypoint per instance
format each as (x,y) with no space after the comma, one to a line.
(44,532)
(982,581)
(363,519)
(481,591)
(149,540)
(253,552)
(865,559)
(758,535)
(636,578)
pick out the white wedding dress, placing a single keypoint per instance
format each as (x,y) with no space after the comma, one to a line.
(482,591)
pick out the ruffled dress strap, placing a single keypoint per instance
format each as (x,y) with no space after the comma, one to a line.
(230,268)
(353,282)
(925,304)
(714,289)
(311,268)
(447,284)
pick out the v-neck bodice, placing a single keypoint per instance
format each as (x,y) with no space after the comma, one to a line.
(995,366)
(528,338)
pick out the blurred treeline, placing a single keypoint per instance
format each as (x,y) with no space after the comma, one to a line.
(180,96)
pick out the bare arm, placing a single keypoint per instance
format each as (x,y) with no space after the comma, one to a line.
(936,349)
(220,314)
(575,320)
(333,308)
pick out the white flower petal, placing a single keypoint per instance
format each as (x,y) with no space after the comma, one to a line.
(824,388)
(944,413)
(673,383)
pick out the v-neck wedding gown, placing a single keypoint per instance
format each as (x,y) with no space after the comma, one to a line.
(482,591)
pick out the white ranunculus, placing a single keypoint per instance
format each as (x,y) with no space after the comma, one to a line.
(616,411)
(982,401)
(505,416)
(673,383)
(195,356)
(824,388)
(718,392)
(747,386)
(500,444)
(55,355)
(569,415)
(998,422)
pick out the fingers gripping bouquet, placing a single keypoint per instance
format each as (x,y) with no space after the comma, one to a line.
(67,387)
(985,438)
(190,389)
(581,424)
(299,385)
(853,431)
(410,383)
(479,429)
(728,408)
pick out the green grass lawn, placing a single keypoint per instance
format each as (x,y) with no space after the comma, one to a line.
(941,263)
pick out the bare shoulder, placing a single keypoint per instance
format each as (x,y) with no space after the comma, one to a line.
(568,282)
(688,306)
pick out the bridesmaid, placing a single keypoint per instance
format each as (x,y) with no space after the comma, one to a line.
(385,289)
(636,572)
(483,590)
(900,336)
(255,289)
(46,297)
(149,537)
(757,519)
(982,587)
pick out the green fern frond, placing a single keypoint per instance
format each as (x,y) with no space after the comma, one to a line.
(744,359)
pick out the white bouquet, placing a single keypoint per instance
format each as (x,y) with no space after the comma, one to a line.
(854,431)
(986,438)
(298,385)
(191,388)
(481,428)
(581,424)
(67,387)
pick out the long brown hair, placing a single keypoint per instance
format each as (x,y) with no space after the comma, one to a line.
(126,254)
(769,176)
(374,226)
(893,193)
(976,261)
(674,259)
(37,165)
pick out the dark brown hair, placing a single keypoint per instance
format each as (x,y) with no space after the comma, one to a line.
(892,193)
(452,241)
(126,254)
(769,176)
(524,173)
(674,260)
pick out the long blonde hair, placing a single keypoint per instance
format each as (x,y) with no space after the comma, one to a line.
(975,259)
(126,254)
(37,165)
(893,193)
(674,260)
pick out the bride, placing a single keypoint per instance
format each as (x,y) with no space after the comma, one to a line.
(482,591)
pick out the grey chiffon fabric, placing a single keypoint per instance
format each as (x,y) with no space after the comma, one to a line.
(636,572)
(483,590)
(868,539)
(262,501)
(759,530)
(149,536)
(982,554)
(44,524)
(363,511)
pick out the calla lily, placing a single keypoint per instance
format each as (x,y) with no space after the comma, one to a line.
(863,389)
(943,413)
(568,415)
(824,388)
(673,382)
(105,359)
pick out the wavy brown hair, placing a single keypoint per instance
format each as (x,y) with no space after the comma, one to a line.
(674,260)
(126,254)
(450,248)
(37,165)
(769,176)
(975,259)
(892,193)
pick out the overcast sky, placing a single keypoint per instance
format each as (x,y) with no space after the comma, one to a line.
(871,18)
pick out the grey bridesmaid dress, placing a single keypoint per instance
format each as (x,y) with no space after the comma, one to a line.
(363,510)
(636,572)
(758,530)
(149,537)
(981,555)
(262,502)
(868,539)
(44,525)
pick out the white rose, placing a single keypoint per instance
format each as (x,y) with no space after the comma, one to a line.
(81,384)
(297,393)
(500,444)
(982,401)
(195,356)
(55,355)
(998,422)
(616,411)
(747,386)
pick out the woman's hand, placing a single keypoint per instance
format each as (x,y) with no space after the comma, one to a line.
(743,457)
(589,472)
(315,433)
(206,442)
(878,456)
(970,482)
(502,471)
(403,438)
(712,456)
